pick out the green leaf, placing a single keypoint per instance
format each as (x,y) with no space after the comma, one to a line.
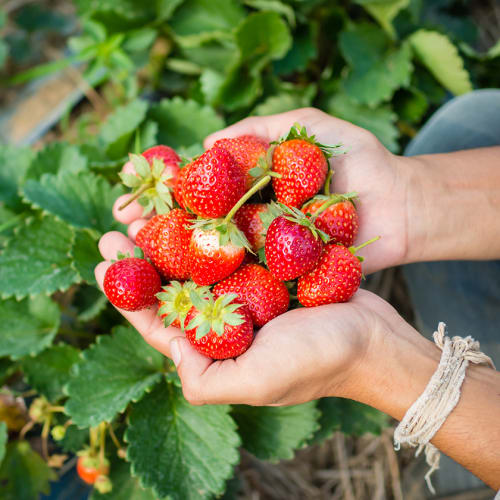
(377,70)
(117,131)
(381,121)
(36,260)
(86,256)
(49,371)
(3,440)
(411,105)
(240,89)
(303,51)
(14,163)
(194,448)
(23,473)
(349,417)
(274,432)
(28,326)
(442,59)
(384,11)
(201,17)
(54,157)
(262,37)
(177,131)
(90,302)
(4,52)
(125,486)
(286,101)
(7,368)
(114,371)
(275,6)
(84,200)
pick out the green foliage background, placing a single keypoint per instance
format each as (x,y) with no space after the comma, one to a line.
(179,70)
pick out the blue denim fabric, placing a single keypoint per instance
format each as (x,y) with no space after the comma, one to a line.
(463,294)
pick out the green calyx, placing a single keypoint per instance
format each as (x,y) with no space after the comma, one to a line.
(264,164)
(299,132)
(148,186)
(213,315)
(295,215)
(138,253)
(177,300)
(330,200)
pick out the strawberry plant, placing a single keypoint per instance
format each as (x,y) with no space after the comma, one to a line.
(79,382)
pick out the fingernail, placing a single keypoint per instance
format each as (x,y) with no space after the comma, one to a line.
(175,352)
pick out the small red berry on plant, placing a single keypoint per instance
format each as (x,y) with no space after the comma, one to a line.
(89,467)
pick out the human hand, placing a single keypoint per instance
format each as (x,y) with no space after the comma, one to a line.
(368,168)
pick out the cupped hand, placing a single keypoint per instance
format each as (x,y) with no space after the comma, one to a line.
(305,353)
(368,168)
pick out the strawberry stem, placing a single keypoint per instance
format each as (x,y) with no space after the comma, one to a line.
(366,243)
(256,187)
(136,195)
(328,181)
(328,203)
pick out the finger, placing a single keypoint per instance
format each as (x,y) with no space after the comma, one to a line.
(113,242)
(135,227)
(265,127)
(129,213)
(146,322)
(229,381)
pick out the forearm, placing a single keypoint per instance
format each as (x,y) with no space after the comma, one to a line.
(453,205)
(398,367)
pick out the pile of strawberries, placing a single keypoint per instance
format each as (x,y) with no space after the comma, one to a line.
(240,234)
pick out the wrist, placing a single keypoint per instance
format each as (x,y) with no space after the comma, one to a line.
(395,369)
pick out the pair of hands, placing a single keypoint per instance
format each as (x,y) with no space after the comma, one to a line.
(305,353)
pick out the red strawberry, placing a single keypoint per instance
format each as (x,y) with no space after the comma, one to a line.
(293,246)
(143,236)
(132,284)
(339,219)
(302,166)
(214,183)
(248,220)
(179,187)
(335,278)
(265,296)
(219,329)
(175,301)
(169,244)
(246,150)
(169,158)
(209,261)
(156,175)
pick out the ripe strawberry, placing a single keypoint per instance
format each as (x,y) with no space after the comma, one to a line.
(132,284)
(337,217)
(219,329)
(157,170)
(246,150)
(293,245)
(175,301)
(143,237)
(265,296)
(208,260)
(179,187)
(169,244)
(335,278)
(302,167)
(214,183)
(248,220)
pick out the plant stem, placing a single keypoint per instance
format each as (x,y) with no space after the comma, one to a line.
(328,181)
(136,195)
(326,204)
(113,437)
(102,448)
(366,243)
(256,187)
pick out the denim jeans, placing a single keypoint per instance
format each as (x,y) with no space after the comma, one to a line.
(463,294)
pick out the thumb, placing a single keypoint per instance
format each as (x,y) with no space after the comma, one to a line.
(190,366)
